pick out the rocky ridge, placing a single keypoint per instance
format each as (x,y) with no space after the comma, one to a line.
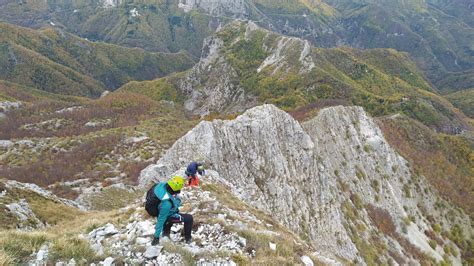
(16,209)
(11,184)
(218,94)
(244,65)
(333,179)
(331,23)
(132,240)
(225,233)
(215,78)
(275,188)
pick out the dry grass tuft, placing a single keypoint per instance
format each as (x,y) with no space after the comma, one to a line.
(62,239)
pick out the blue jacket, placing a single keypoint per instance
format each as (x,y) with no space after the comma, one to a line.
(168,207)
(193,169)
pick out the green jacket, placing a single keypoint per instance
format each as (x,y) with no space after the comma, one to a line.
(168,207)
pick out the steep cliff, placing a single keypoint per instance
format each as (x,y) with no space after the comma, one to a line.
(237,8)
(333,179)
(244,65)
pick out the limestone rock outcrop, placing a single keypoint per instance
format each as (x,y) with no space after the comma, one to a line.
(333,179)
(234,8)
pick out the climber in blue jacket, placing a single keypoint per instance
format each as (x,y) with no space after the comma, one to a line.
(168,210)
(191,172)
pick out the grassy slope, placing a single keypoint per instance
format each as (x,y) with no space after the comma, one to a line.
(463,100)
(73,147)
(447,161)
(456,8)
(63,63)
(381,80)
(63,236)
(159,89)
(15,92)
(46,210)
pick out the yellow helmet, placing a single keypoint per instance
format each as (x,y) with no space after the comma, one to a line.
(176,183)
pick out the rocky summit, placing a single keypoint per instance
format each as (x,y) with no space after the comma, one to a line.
(332,179)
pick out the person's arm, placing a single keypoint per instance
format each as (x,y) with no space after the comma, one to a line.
(177,200)
(175,210)
(165,207)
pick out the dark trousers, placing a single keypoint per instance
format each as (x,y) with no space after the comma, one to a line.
(187,219)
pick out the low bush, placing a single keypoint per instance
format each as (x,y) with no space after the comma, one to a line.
(63,166)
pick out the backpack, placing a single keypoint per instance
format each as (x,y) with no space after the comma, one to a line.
(152,202)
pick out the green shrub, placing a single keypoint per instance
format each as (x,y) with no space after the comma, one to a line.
(357,201)
(367,148)
(447,249)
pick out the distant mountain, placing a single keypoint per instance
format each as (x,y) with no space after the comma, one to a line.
(437,34)
(155,25)
(244,65)
(56,61)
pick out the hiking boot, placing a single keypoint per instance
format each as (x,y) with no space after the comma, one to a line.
(188,241)
(156,241)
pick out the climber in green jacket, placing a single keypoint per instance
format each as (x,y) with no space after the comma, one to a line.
(168,209)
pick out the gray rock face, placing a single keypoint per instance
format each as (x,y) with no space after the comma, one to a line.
(155,172)
(235,8)
(26,217)
(307,261)
(41,256)
(312,176)
(109,261)
(210,85)
(281,53)
(111,3)
(152,252)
